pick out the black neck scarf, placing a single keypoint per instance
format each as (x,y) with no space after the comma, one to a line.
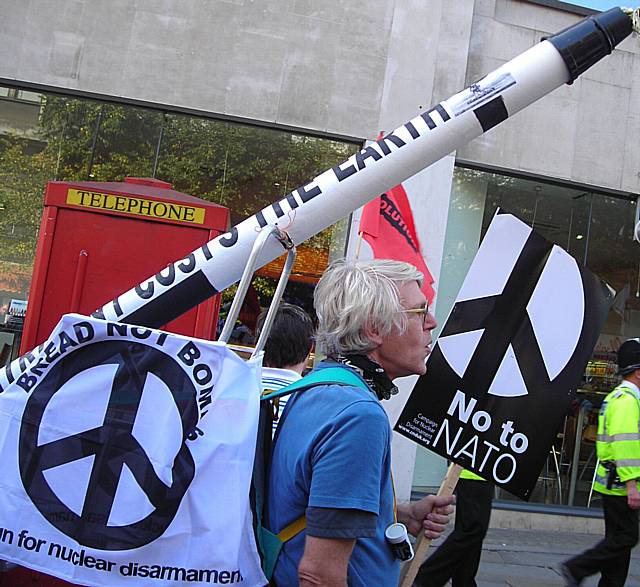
(371,372)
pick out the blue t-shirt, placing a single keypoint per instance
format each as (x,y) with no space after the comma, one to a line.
(333,450)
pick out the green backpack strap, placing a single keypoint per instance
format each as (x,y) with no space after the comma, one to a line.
(271,544)
(328,376)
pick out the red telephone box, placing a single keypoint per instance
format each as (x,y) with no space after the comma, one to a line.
(98,240)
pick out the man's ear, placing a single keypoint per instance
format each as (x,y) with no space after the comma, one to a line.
(372,334)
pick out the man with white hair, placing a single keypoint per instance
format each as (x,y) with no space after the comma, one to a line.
(332,458)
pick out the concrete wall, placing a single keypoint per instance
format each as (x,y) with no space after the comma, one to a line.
(311,64)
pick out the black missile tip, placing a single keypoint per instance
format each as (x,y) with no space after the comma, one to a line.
(586,42)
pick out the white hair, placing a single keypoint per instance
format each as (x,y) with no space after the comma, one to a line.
(354,297)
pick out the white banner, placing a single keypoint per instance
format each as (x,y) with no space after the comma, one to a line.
(126,458)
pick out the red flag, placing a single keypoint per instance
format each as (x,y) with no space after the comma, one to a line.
(387,225)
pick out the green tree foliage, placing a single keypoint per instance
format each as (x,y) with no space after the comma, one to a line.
(97,141)
(23,175)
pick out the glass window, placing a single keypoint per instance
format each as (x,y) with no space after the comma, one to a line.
(46,137)
(597,229)
(29,96)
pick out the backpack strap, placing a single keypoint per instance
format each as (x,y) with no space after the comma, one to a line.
(327,376)
(293,529)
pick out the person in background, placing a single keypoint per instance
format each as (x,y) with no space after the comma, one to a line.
(458,557)
(618,450)
(286,351)
(331,462)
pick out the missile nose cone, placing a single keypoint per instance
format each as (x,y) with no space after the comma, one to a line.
(615,24)
(586,42)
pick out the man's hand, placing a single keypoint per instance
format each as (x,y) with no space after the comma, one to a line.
(633,496)
(431,514)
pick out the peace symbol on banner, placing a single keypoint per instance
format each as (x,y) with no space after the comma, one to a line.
(110,453)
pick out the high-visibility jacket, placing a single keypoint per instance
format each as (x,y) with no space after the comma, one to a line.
(618,439)
(469,475)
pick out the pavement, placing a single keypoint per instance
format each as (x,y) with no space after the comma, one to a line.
(529,558)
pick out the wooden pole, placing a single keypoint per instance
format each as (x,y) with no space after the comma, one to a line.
(447,487)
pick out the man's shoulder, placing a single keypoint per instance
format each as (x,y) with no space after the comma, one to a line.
(340,405)
(622,403)
(622,394)
(334,401)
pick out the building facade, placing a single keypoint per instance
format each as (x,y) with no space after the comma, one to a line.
(238,101)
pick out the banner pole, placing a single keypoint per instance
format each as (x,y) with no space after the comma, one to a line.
(447,487)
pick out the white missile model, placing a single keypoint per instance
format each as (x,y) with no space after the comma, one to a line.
(339,191)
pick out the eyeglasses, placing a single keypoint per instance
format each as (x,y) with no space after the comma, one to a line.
(424,312)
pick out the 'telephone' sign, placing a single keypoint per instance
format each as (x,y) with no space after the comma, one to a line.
(135,206)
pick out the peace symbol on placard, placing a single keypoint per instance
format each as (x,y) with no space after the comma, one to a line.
(518,339)
(112,445)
